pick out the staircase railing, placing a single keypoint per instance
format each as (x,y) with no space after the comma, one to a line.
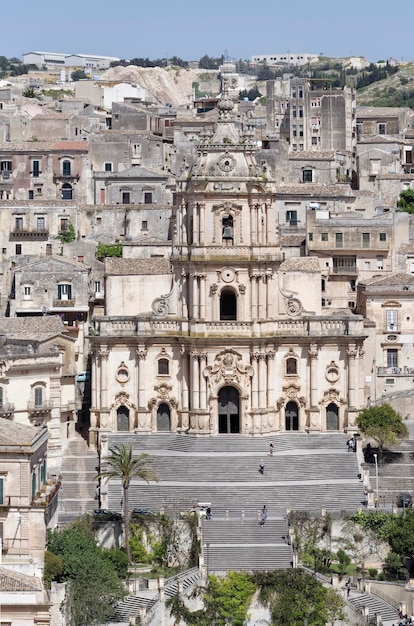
(386,598)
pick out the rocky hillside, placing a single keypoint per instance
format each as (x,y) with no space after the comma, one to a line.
(396,90)
(174,84)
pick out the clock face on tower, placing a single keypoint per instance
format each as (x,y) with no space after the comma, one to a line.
(227,274)
(227,163)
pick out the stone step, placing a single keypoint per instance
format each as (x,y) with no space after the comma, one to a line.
(375,606)
(228,443)
(247,557)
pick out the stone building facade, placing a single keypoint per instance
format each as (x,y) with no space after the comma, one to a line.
(225,336)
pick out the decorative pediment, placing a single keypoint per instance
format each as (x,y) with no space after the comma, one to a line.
(162,395)
(291,392)
(122,399)
(332,395)
(228,368)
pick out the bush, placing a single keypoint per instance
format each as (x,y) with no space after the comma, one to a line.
(53,568)
(372,572)
(111,250)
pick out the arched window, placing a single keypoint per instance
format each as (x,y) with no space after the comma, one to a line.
(227,228)
(67,191)
(38,396)
(228,305)
(66,168)
(163,367)
(291,367)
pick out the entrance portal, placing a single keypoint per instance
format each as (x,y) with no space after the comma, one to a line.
(163,418)
(122,419)
(291,416)
(228,411)
(332,417)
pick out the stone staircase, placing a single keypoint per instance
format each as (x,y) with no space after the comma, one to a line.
(375,605)
(244,545)
(79,467)
(132,605)
(396,474)
(306,472)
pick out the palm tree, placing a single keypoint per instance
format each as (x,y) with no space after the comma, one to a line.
(123,465)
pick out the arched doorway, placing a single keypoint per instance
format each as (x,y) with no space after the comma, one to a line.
(228,305)
(122,419)
(291,416)
(228,411)
(332,417)
(163,418)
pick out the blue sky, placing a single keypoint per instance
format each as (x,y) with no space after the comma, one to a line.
(190,29)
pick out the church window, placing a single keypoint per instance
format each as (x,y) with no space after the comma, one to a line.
(228,305)
(227,228)
(163,367)
(291,367)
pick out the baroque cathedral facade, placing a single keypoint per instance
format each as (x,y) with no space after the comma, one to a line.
(217,331)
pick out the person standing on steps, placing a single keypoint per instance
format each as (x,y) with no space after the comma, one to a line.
(271,449)
(261,467)
(263,517)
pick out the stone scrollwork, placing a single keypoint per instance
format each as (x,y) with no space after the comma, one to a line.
(228,368)
(293,307)
(160,307)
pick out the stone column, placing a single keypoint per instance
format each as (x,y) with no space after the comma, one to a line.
(262,380)
(313,354)
(270,296)
(271,379)
(202,210)
(195,224)
(194,298)
(253,218)
(184,294)
(195,381)
(184,221)
(254,289)
(203,382)
(261,305)
(104,355)
(202,295)
(184,384)
(255,388)
(352,371)
(259,225)
(141,355)
(314,410)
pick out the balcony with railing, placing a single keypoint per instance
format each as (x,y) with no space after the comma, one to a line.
(395,371)
(29,234)
(63,177)
(42,408)
(63,302)
(6,409)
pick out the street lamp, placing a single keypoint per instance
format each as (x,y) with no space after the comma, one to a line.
(376,478)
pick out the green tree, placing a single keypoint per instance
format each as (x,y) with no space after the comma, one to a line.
(30,92)
(111,250)
(294,595)
(78,75)
(93,585)
(68,235)
(226,601)
(122,465)
(382,424)
(406,201)
(401,537)
(394,563)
